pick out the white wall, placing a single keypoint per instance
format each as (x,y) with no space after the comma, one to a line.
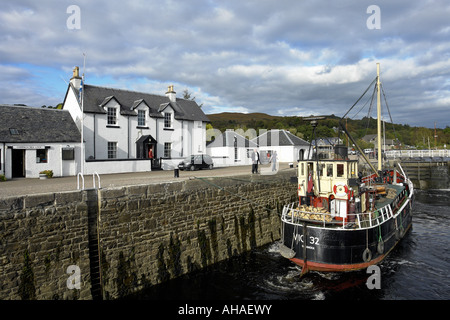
(122,166)
(224,156)
(54,162)
(187,137)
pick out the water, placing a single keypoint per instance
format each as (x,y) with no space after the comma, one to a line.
(417,269)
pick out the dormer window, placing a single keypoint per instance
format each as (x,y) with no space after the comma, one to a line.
(13,131)
(112,116)
(167,120)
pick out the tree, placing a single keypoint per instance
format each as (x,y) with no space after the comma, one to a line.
(187,96)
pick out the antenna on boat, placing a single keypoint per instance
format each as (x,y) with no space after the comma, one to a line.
(314,123)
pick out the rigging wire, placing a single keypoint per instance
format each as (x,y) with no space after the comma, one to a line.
(370,109)
(389,112)
(352,118)
(340,121)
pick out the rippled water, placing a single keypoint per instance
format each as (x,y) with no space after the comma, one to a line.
(418,268)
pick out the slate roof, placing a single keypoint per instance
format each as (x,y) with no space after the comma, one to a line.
(285,138)
(95,97)
(36,125)
(226,139)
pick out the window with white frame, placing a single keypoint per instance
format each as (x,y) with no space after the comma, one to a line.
(112,150)
(112,116)
(167,149)
(167,120)
(141,118)
(41,156)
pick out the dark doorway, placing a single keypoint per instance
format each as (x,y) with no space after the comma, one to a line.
(146,149)
(18,163)
(143,145)
(301,154)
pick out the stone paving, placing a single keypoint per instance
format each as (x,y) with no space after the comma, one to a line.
(24,186)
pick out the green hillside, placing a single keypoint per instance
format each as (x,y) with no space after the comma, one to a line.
(418,137)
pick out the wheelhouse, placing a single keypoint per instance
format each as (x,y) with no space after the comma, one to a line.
(328,184)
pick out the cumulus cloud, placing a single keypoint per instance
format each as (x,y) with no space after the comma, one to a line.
(279,57)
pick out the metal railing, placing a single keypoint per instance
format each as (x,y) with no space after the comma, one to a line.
(417,153)
(80,176)
(361,220)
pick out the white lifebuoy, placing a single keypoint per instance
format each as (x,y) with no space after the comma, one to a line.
(340,190)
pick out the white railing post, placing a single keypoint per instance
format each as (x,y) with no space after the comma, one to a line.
(78,180)
(93,179)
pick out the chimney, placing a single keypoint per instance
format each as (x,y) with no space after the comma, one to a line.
(76,79)
(172,95)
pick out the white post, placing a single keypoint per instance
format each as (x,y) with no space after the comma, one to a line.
(82,117)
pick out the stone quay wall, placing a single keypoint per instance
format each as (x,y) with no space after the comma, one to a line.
(122,240)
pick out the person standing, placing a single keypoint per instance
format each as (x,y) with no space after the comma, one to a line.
(150,155)
(255,160)
(274,161)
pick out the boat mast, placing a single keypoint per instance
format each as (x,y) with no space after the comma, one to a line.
(379,116)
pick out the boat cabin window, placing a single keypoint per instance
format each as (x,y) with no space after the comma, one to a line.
(340,169)
(320,169)
(329,170)
(310,168)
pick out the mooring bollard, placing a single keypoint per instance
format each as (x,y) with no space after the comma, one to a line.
(176,173)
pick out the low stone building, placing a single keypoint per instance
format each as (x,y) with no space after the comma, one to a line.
(37,139)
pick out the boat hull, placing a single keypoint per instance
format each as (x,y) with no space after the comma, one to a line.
(336,249)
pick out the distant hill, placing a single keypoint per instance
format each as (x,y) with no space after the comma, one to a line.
(418,137)
(236,116)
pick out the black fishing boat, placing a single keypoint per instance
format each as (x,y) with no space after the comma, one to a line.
(343,221)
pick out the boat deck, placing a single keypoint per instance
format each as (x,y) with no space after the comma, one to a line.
(386,206)
(392,191)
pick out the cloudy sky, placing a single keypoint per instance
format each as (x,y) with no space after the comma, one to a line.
(274,56)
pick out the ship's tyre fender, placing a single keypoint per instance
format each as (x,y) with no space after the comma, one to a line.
(380,247)
(367,255)
(399,233)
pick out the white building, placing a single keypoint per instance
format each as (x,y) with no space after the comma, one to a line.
(289,147)
(37,139)
(121,127)
(231,149)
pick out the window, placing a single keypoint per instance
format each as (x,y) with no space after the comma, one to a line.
(112,116)
(68,154)
(329,170)
(351,170)
(141,118)
(167,120)
(112,150)
(320,167)
(41,156)
(167,149)
(340,170)
(13,131)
